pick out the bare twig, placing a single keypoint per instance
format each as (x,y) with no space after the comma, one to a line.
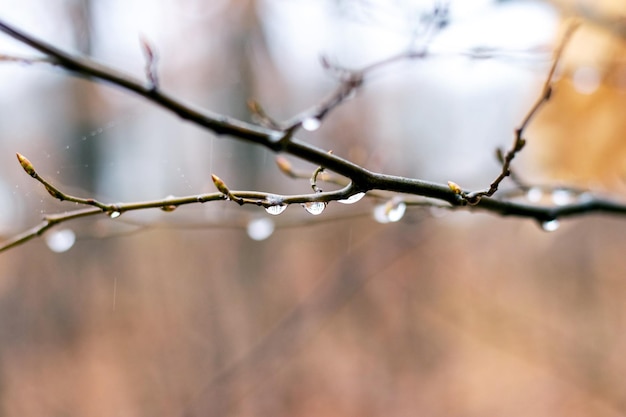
(24,59)
(351,80)
(261,116)
(167,204)
(519,142)
(151,63)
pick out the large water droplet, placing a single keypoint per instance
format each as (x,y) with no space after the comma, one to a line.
(352,199)
(276,210)
(169,208)
(390,212)
(534,194)
(276,136)
(562,197)
(314,207)
(260,229)
(550,225)
(311,124)
(60,240)
(115,214)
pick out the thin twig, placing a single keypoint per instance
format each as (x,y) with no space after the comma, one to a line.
(519,141)
(351,80)
(151,63)
(167,204)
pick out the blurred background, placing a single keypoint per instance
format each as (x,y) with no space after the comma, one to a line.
(198,313)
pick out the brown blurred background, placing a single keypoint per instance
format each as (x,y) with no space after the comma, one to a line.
(440,314)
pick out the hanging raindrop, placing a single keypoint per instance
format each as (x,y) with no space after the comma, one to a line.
(60,240)
(311,124)
(276,210)
(550,225)
(390,212)
(314,207)
(169,207)
(352,199)
(260,229)
(115,214)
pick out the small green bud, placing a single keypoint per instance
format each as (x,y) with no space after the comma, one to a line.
(25,163)
(455,187)
(220,185)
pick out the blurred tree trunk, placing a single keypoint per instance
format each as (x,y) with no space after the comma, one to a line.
(82,99)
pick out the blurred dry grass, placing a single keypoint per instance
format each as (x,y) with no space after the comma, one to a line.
(464,315)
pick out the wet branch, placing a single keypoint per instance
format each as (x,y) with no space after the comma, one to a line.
(279,137)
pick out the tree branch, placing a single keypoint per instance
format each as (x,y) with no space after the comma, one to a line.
(278,137)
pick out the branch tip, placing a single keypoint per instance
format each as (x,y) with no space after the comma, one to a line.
(26,165)
(151,60)
(455,188)
(220,185)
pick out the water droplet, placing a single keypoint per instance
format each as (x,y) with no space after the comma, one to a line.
(353,198)
(260,229)
(550,225)
(562,197)
(314,207)
(390,212)
(168,209)
(276,136)
(276,210)
(534,194)
(311,124)
(396,213)
(60,240)
(380,214)
(115,214)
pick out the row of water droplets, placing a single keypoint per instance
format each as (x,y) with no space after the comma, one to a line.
(262,228)
(313,207)
(388,212)
(558,197)
(392,211)
(62,240)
